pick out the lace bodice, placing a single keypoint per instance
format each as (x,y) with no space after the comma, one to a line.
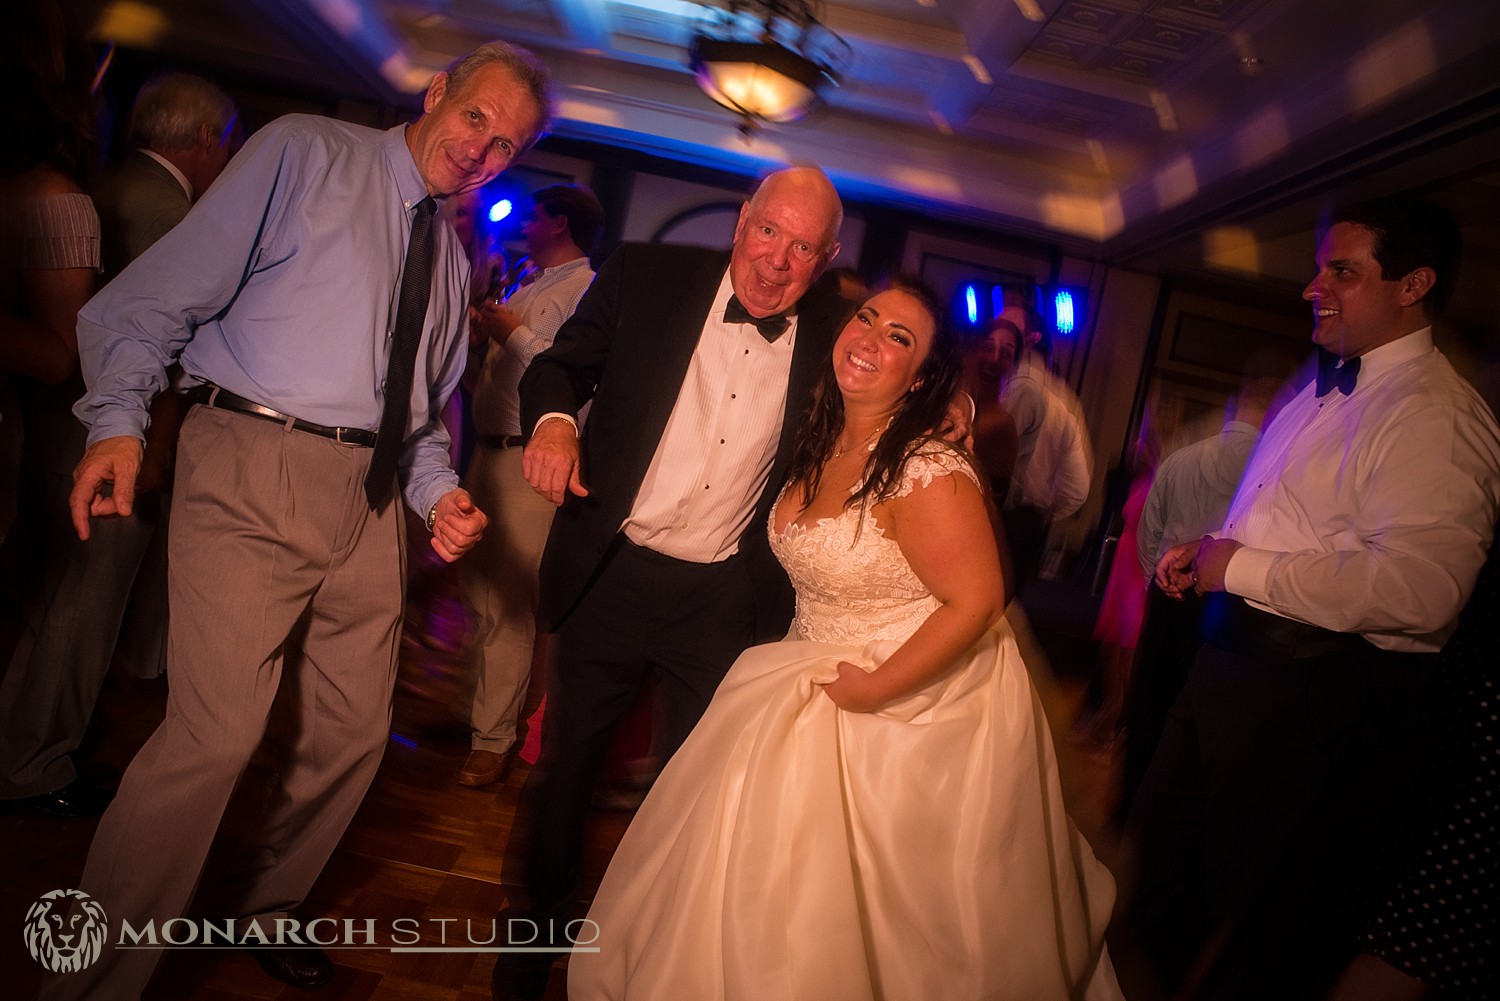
(853,583)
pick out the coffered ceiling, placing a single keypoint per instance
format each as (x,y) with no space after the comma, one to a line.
(1110,127)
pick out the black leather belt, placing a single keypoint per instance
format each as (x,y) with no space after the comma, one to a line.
(222,399)
(1231,624)
(500,442)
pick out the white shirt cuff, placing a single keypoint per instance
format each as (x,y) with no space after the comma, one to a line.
(1248,573)
(560,415)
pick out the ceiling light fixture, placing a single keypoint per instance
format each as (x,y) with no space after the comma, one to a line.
(767,60)
(1031,10)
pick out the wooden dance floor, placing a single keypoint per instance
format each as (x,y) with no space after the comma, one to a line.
(422,855)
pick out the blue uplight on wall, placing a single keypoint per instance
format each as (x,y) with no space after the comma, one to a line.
(1062,311)
(973,304)
(500,210)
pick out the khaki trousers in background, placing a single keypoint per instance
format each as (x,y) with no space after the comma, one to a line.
(499,580)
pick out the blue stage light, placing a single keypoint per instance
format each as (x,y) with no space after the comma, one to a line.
(1062,304)
(500,210)
(971,302)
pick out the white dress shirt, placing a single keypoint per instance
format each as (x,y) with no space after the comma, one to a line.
(699,493)
(542,305)
(1054,458)
(1372,512)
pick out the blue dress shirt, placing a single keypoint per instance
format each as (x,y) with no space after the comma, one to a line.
(281,285)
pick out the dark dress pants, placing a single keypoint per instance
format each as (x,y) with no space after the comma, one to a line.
(1169,642)
(644,617)
(1026,537)
(1275,778)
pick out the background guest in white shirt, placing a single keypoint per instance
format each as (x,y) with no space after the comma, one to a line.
(1054,463)
(500,581)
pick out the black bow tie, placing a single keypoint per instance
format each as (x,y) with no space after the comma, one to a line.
(770,327)
(1332,375)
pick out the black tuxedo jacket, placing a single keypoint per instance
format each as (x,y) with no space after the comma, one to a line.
(627,347)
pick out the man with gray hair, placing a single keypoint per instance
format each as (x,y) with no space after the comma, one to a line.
(318,311)
(185,130)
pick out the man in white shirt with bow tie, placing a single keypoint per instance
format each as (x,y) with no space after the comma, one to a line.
(1347,554)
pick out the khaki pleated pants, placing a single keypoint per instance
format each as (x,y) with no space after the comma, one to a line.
(278,570)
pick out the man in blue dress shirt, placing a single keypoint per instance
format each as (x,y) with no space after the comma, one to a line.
(278,295)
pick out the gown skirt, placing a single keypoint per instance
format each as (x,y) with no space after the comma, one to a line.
(791,850)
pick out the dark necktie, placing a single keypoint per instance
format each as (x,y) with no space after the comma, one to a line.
(1332,375)
(770,327)
(411,312)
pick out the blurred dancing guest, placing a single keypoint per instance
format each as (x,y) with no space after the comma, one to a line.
(699,365)
(187,129)
(1352,544)
(1189,497)
(869,808)
(989,362)
(500,582)
(1054,463)
(322,316)
(49,264)
(184,124)
(1425,917)
(49,229)
(1122,608)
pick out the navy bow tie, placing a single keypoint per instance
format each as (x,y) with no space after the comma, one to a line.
(770,327)
(1332,375)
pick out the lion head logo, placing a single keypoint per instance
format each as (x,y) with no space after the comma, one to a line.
(65,930)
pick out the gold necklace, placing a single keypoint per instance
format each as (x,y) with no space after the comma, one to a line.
(839,450)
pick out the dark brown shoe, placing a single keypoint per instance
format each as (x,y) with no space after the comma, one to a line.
(486,768)
(80,798)
(304,968)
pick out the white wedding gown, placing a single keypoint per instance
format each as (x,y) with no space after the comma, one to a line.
(791,850)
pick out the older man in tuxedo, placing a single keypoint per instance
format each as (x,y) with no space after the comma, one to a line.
(699,365)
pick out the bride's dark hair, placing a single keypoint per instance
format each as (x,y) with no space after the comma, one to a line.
(921,414)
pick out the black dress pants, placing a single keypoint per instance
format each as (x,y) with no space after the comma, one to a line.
(1275,778)
(645,617)
(1169,642)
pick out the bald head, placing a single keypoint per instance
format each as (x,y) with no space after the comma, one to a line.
(809,187)
(786,235)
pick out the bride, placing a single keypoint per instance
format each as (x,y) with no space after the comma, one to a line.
(869,808)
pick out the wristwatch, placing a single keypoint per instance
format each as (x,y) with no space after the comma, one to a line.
(432,518)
